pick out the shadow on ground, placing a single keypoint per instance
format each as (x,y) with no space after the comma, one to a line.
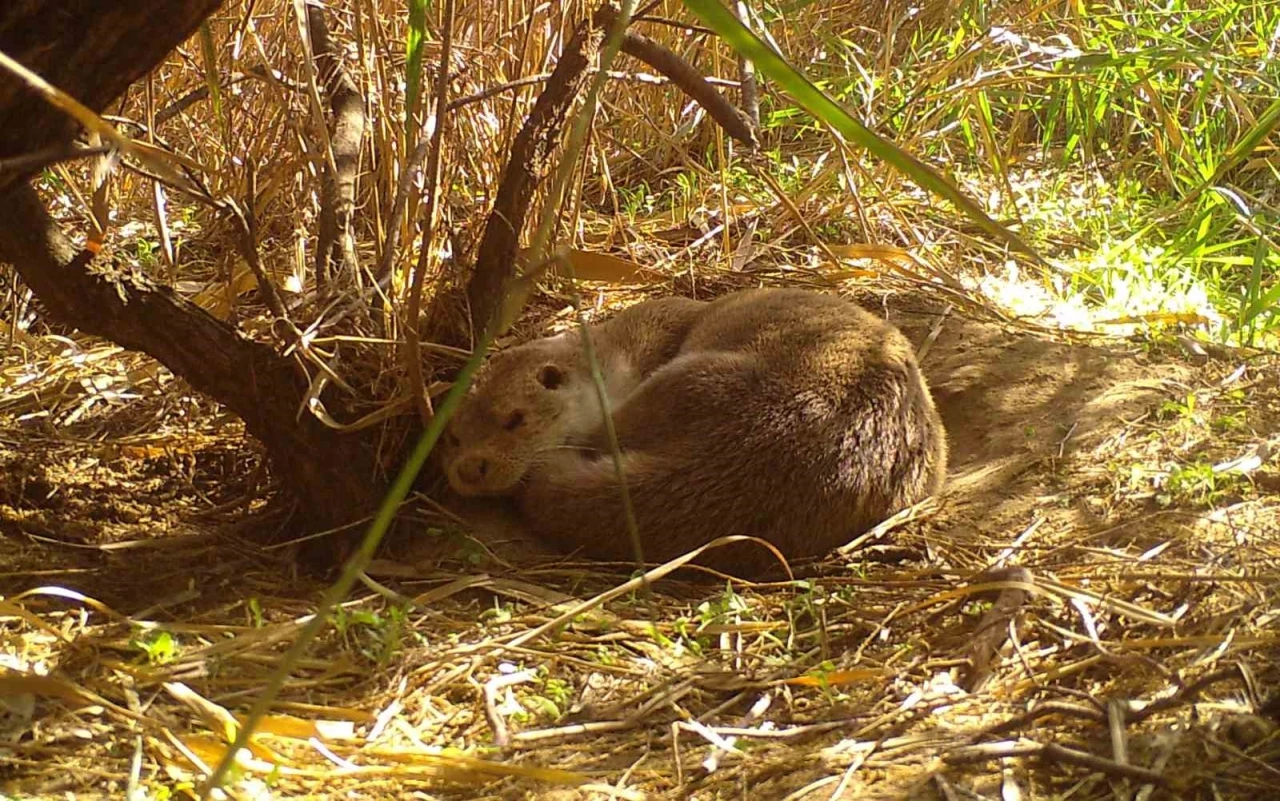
(1061,455)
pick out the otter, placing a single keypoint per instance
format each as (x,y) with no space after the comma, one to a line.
(790,415)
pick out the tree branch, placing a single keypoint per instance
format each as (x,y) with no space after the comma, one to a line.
(527,166)
(335,247)
(262,388)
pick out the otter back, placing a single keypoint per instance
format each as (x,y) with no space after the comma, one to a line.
(789,415)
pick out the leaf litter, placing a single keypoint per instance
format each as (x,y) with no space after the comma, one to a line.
(140,613)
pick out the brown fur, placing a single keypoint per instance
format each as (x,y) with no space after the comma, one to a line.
(789,415)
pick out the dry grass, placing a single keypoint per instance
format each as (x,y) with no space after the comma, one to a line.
(150,632)
(139,616)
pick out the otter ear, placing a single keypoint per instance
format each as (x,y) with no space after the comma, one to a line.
(550,376)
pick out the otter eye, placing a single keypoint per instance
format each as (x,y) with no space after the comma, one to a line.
(514,421)
(550,376)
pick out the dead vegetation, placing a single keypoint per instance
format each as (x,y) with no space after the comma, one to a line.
(1087,612)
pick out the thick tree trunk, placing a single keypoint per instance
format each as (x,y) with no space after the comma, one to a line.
(90,49)
(93,51)
(331,474)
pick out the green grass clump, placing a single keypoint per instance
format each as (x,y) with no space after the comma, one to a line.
(1144,134)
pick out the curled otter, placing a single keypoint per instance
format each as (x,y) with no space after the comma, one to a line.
(793,416)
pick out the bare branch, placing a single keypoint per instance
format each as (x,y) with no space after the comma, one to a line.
(527,166)
(693,84)
(335,246)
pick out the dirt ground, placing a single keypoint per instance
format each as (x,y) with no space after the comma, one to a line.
(1123,647)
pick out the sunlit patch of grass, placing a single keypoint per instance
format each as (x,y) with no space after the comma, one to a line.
(159,647)
(1200,452)
(1198,483)
(1107,281)
(1119,297)
(1129,142)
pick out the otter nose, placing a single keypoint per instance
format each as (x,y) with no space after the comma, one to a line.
(472,469)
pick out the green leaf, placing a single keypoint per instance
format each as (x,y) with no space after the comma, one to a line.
(415,37)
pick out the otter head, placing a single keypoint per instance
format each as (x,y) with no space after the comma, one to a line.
(525,403)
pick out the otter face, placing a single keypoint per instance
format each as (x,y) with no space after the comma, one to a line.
(525,403)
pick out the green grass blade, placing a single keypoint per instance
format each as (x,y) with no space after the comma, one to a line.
(1255,301)
(1242,149)
(356,563)
(817,103)
(414,39)
(209,52)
